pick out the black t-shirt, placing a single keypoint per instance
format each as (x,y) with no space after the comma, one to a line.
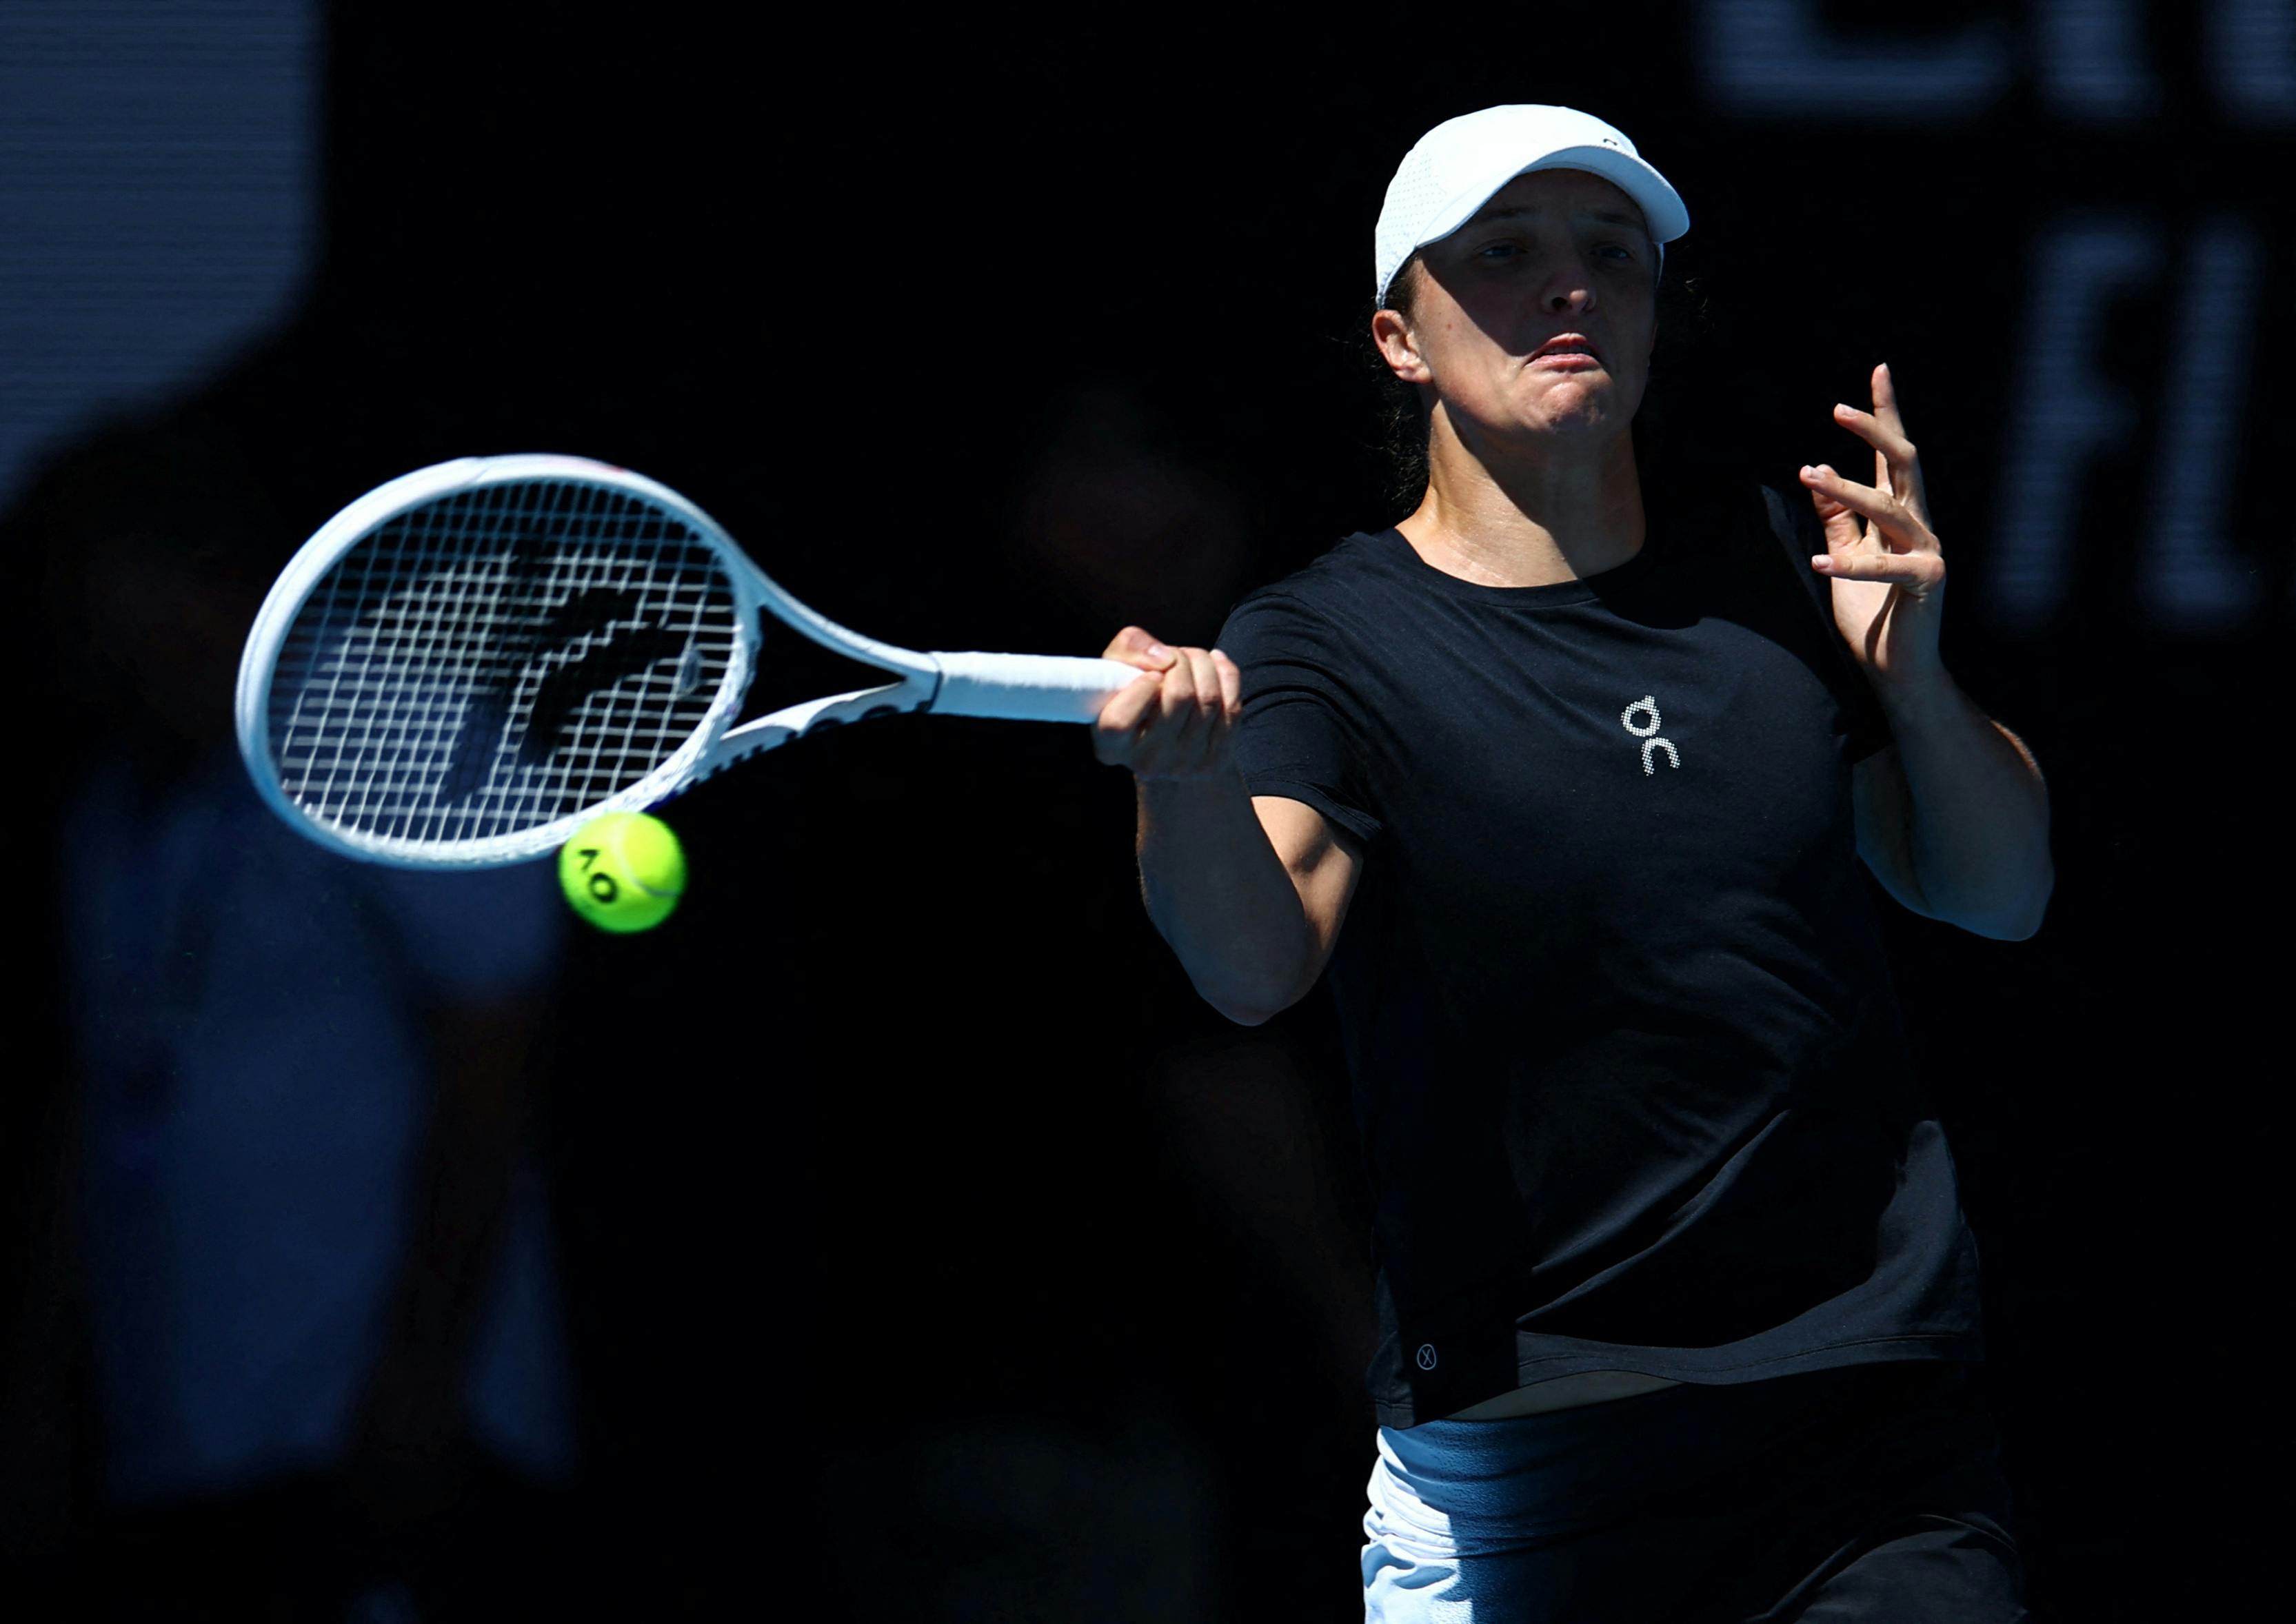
(1628,1071)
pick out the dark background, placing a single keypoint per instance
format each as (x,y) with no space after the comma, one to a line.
(932,1252)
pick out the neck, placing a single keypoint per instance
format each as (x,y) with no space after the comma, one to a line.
(1532,517)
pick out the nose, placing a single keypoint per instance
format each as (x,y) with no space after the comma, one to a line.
(1571,286)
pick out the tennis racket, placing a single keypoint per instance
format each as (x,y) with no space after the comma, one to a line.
(468,664)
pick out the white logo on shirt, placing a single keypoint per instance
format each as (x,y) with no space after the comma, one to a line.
(1426,1356)
(1649,735)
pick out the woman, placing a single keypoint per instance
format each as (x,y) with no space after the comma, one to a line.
(1566,779)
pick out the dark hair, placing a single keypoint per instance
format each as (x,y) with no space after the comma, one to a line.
(1403,424)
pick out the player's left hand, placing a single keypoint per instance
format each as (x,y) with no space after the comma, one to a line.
(1888,575)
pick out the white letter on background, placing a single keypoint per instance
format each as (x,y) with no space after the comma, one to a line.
(1764,57)
(2065,414)
(2188,577)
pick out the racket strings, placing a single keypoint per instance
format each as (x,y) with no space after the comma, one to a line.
(493,660)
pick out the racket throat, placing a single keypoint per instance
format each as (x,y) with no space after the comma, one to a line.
(794,722)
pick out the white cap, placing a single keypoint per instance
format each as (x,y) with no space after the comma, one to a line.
(1455,167)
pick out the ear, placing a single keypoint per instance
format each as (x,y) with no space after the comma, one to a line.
(1392,334)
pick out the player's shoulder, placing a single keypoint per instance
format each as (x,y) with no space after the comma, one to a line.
(1757,532)
(1729,513)
(1783,514)
(1334,583)
(1769,519)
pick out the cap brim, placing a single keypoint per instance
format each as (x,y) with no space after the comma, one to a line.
(1662,208)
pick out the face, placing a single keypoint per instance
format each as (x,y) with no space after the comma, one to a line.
(1554,255)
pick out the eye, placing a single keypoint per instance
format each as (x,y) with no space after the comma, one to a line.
(1620,250)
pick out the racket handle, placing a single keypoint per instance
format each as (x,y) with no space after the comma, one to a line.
(1028,687)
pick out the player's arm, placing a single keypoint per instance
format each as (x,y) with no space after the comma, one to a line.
(1249,891)
(1953,817)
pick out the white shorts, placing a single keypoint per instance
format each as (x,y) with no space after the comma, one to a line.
(1872,1492)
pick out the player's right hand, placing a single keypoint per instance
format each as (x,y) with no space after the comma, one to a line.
(1178,721)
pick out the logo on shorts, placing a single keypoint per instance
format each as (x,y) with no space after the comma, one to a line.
(1426,1356)
(1649,734)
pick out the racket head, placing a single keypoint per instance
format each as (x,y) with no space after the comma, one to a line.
(467,663)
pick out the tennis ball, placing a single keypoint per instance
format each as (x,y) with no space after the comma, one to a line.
(623,872)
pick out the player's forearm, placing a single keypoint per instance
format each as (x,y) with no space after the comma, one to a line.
(1220,896)
(1977,812)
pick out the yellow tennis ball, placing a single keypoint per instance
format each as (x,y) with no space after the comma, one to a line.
(623,872)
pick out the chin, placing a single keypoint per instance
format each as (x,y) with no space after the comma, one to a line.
(1585,403)
(1594,420)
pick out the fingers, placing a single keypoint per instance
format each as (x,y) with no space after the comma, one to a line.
(1897,464)
(1175,722)
(1136,647)
(1231,685)
(1841,527)
(1887,438)
(1159,744)
(1885,400)
(1136,705)
(1897,522)
(1126,709)
(1196,704)
(1917,572)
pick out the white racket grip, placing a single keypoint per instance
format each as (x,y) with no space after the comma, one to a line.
(1028,687)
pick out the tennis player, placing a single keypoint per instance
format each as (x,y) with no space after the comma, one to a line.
(1565,781)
